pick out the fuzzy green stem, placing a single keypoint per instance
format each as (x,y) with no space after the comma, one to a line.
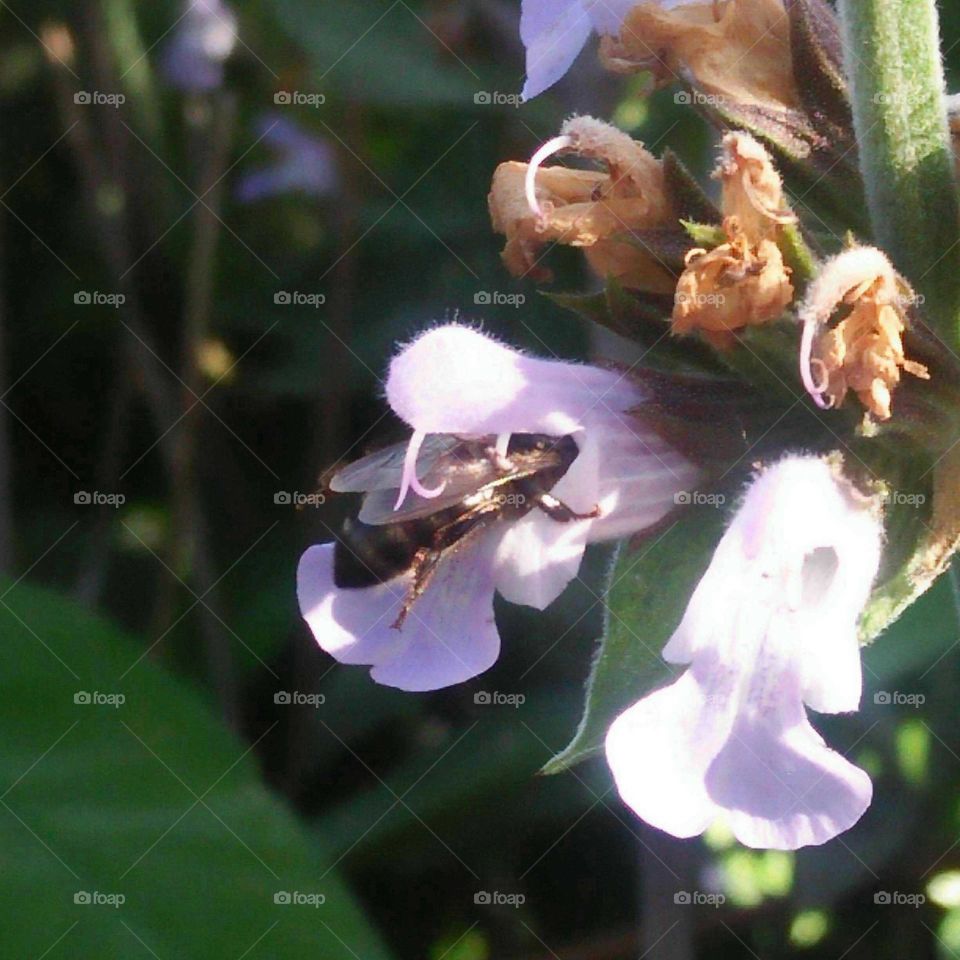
(892,55)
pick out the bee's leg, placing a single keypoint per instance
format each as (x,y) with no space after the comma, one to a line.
(424,566)
(426,560)
(557,510)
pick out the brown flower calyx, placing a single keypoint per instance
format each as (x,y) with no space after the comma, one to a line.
(864,351)
(743,282)
(732,51)
(534,205)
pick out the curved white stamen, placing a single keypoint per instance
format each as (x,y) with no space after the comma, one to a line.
(815,390)
(503,442)
(408,480)
(552,146)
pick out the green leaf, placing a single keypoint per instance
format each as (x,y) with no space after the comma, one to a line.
(648,592)
(893,61)
(152,800)
(918,640)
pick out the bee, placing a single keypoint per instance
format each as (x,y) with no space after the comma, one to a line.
(481,486)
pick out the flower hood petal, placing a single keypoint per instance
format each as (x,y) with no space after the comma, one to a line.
(454,379)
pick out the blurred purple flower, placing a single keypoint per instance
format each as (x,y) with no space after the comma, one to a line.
(203,39)
(304,164)
(455,380)
(772,626)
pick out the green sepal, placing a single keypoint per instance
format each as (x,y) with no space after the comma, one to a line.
(707,235)
(688,198)
(817,53)
(643,318)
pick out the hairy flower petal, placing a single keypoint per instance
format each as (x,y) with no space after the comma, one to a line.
(771,626)
(454,379)
(449,635)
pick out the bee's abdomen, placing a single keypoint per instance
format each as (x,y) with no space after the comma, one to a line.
(366,555)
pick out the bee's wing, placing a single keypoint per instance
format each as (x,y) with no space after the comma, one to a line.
(383,469)
(460,471)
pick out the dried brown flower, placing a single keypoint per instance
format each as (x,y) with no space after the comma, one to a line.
(584,208)
(736,51)
(743,282)
(864,351)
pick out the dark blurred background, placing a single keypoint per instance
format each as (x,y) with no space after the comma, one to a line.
(205,263)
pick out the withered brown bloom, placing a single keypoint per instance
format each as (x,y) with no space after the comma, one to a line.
(584,208)
(744,281)
(733,51)
(864,351)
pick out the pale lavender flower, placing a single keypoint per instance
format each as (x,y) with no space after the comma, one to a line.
(770,628)
(304,163)
(455,380)
(554,32)
(202,41)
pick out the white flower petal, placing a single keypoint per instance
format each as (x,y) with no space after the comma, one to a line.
(770,626)
(782,787)
(719,592)
(449,635)
(553,32)
(538,556)
(639,478)
(454,379)
(660,749)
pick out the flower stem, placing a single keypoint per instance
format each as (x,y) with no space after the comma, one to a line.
(892,55)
